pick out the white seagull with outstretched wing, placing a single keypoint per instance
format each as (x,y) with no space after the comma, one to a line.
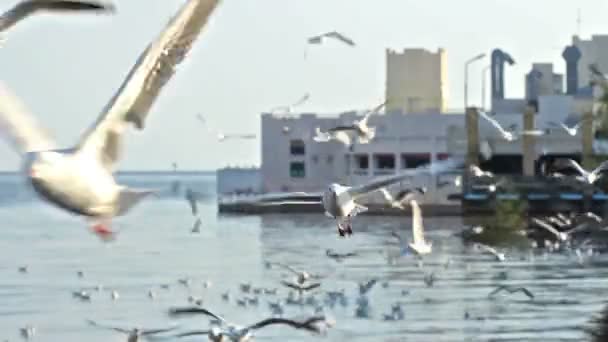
(339,201)
(80,179)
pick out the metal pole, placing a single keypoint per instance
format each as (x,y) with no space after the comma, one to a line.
(483,86)
(466,78)
(466,85)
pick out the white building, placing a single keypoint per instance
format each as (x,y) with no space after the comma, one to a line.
(293,161)
(416,81)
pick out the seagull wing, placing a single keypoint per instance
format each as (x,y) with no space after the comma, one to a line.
(577,166)
(290,198)
(498,289)
(601,168)
(29,7)
(306,325)
(155,67)
(95,324)
(417,227)
(526,292)
(488,249)
(311,286)
(194,310)
(193,333)
(340,37)
(291,285)
(493,122)
(545,225)
(341,129)
(373,111)
(158,331)
(387,196)
(342,137)
(315,40)
(366,287)
(19,126)
(436,167)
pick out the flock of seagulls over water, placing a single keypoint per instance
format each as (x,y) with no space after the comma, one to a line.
(80,180)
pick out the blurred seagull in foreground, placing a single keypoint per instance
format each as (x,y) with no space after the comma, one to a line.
(339,201)
(134,334)
(27,8)
(80,179)
(334,35)
(230,332)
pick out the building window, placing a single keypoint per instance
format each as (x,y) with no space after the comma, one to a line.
(384,161)
(415,160)
(297,147)
(330,159)
(442,156)
(297,169)
(362,161)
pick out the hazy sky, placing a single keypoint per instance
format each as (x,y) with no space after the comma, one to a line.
(251,58)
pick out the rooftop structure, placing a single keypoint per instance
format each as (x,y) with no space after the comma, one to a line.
(416,81)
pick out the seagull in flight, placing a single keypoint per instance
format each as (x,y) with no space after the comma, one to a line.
(548,227)
(572,131)
(301,276)
(134,334)
(288,109)
(490,250)
(364,288)
(420,246)
(80,179)
(192,200)
(26,8)
(301,288)
(221,137)
(230,332)
(511,289)
(510,134)
(402,197)
(586,176)
(363,132)
(339,201)
(339,257)
(334,35)
(476,171)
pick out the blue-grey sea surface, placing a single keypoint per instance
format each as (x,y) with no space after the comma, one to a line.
(155,246)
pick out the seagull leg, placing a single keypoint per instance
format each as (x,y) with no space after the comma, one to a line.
(349,225)
(103,231)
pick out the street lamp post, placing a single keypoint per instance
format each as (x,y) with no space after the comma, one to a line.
(484,79)
(466,77)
